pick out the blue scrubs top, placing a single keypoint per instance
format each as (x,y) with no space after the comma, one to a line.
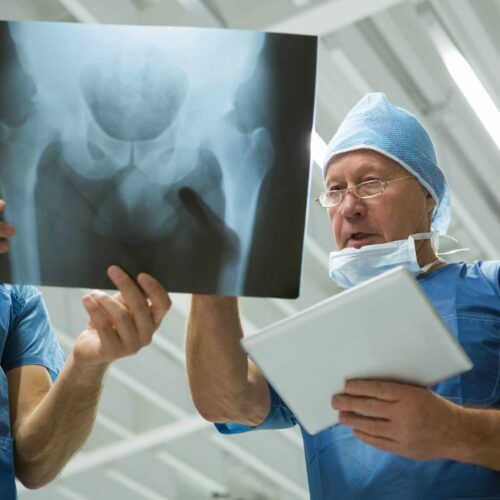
(26,338)
(339,466)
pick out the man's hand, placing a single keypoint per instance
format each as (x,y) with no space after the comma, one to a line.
(121,325)
(6,231)
(399,418)
(55,420)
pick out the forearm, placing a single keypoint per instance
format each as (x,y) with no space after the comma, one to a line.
(59,425)
(477,437)
(217,366)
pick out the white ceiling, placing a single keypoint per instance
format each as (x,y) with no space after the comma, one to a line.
(148,441)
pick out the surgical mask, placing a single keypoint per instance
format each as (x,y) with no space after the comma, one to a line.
(352,266)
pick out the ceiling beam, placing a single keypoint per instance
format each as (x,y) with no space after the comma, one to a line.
(96,11)
(79,11)
(182,13)
(460,18)
(330,16)
(134,486)
(206,484)
(257,465)
(201,11)
(18,10)
(135,444)
(68,493)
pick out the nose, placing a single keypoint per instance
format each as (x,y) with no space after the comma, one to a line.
(351,205)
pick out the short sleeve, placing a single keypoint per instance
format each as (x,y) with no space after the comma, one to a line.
(31,339)
(279,417)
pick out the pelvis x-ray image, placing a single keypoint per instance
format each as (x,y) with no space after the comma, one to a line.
(180,152)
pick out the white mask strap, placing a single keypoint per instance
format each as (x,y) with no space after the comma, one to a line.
(421,236)
(456,250)
(434,237)
(428,266)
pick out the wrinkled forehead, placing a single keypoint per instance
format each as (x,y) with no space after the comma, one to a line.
(361,162)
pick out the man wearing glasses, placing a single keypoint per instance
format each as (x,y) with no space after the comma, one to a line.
(387,201)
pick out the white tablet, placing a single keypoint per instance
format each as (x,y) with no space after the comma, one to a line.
(385,328)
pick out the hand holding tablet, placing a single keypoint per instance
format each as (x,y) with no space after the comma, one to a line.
(383,329)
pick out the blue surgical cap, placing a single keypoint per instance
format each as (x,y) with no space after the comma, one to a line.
(374,123)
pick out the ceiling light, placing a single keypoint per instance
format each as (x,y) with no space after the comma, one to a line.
(464,76)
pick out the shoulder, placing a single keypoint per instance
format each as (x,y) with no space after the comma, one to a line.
(490,271)
(482,269)
(19,295)
(21,292)
(488,267)
(482,276)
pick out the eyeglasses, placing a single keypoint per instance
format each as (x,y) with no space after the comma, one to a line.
(368,189)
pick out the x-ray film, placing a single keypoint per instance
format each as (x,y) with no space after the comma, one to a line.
(181,152)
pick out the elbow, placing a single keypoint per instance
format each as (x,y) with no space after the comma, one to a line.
(35,475)
(209,412)
(34,481)
(216,410)
(209,415)
(32,485)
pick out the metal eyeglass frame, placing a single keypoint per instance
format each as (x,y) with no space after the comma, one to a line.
(353,189)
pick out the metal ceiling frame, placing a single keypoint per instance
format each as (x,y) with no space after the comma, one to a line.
(330,16)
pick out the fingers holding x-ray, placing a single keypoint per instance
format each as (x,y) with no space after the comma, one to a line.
(121,325)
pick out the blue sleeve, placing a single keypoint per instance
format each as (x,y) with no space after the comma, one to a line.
(30,339)
(279,417)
